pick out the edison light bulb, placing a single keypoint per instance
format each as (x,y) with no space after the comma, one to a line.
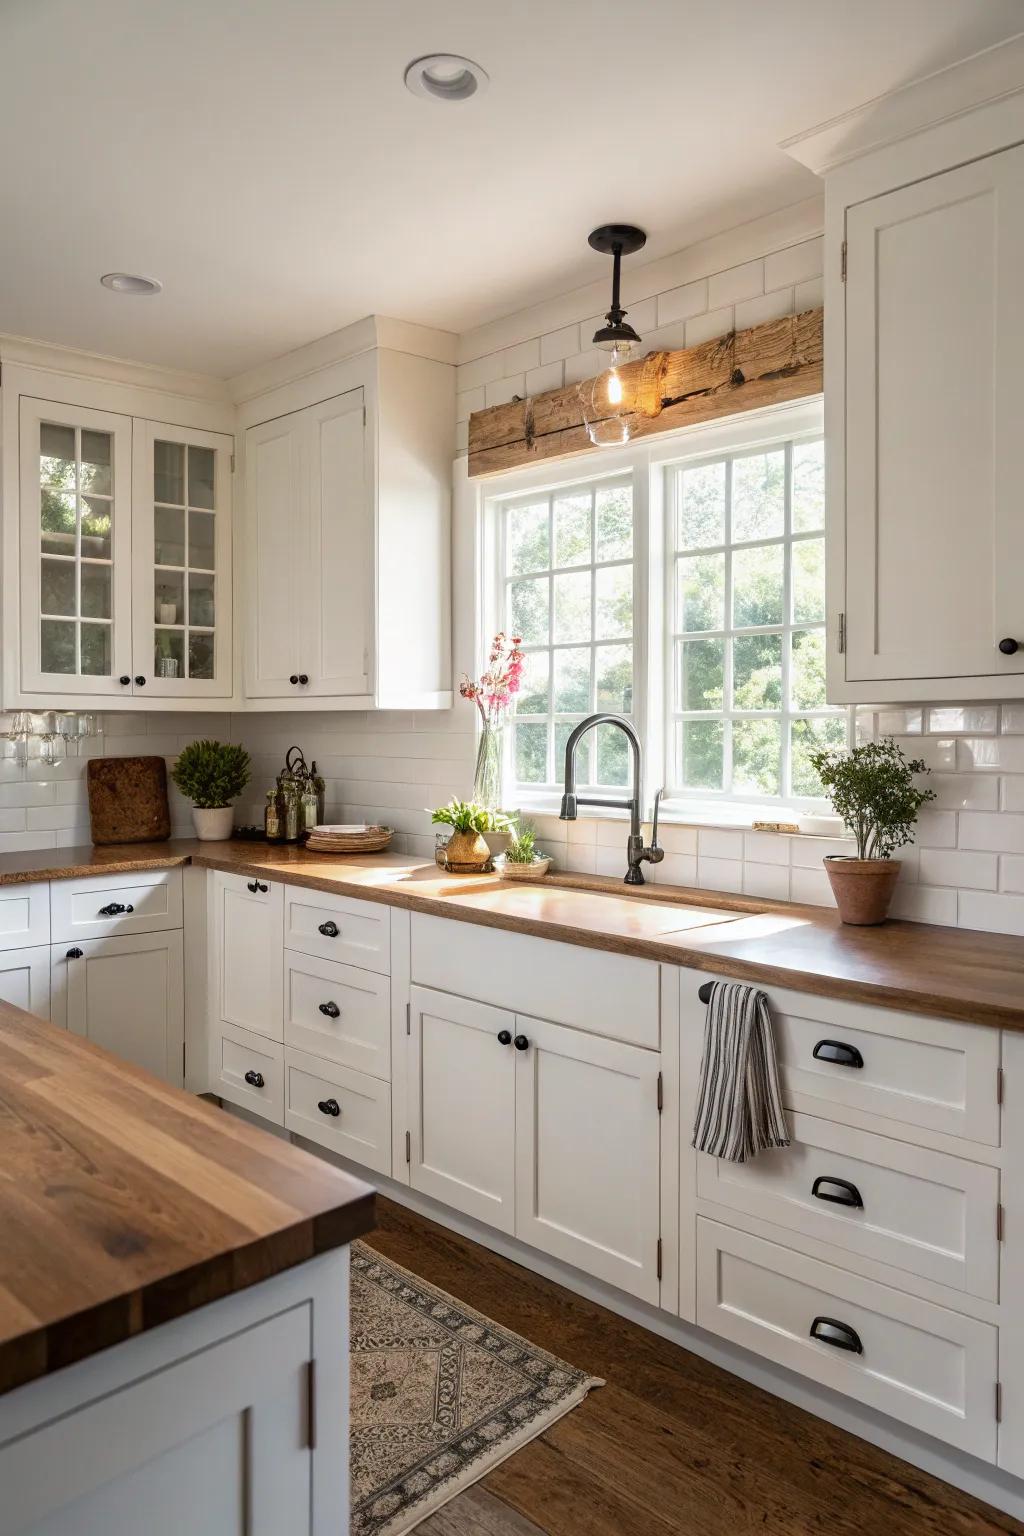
(614,388)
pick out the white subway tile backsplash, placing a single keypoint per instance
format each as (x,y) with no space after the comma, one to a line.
(677,869)
(518,358)
(768,306)
(585,365)
(770,881)
(714,843)
(736,284)
(924,904)
(810,887)
(718,322)
(547,376)
(1011,794)
(501,391)
(952,866)
(1011,873)
(719,874)
(766,848)
(964,791)
(966,719)
(682,303)
(810,295)
(467,402)
(999,832)
(461,436)
(676,839)
(483,370)
(795,264)
(667,338)
(987,753)
(1012,719)
(935,829)
(897,722)
(996,914)
(557,345)
(581,858)
(808,852)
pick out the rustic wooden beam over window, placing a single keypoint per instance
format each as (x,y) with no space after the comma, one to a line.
(741,371)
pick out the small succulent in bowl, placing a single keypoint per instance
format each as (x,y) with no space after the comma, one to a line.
(522,860)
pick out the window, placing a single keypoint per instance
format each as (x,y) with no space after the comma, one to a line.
(684,587)
(567,589)
(747,642)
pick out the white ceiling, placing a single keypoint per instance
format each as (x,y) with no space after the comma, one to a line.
(264,160)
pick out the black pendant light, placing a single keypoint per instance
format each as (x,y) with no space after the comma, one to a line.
(606,411)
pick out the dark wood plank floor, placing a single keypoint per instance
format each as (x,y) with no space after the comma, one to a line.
(672,1446)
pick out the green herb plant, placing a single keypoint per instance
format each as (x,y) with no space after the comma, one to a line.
(467,816)
(873,788)
(211,773)
(523,847)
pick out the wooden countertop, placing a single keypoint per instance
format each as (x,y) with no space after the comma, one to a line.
(125,1203)
(950,972)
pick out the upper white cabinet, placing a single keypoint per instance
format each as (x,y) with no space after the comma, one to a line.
(924,378)
(122,528)
(345,539)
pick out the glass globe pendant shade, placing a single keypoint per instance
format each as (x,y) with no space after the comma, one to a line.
(606,403)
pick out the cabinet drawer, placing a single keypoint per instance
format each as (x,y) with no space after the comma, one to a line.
(236,1052)
(912,1069)
(338,1012)
(24,915)
(356,1119)
(145,902)
(921,1363)
(921,1211)
(338,928)
(605,994)
(25,979)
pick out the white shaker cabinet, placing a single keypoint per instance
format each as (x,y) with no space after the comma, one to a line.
(247,954)
(924,377)
(126,994)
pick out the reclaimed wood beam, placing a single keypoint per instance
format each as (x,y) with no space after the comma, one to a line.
(741,371)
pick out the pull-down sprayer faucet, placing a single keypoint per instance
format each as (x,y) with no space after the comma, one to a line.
(635,850)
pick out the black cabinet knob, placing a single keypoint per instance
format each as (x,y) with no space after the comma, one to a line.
(294,679)
(828,1330)
(262,888)
(329,930)
(114,909)
(140,681)
(838,1052)
(331,1010)
(329,1107)
(1009,646)
(837,1191)
(124,680)
(303,679)
(252,885)
(521,1043)
(74,954)
(255,1079)
(504,1037)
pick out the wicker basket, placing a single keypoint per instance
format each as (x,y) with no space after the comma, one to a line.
(368,840)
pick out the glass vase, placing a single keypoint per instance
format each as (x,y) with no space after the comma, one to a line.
(487,779)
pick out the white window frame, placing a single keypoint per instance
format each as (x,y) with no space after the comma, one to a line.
(648,463)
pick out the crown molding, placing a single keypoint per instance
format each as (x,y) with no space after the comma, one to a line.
(950,93)
(367,335)
(46,357)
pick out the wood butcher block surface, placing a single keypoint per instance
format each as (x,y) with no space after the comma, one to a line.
(128,799)
(125,1203)
(950,972)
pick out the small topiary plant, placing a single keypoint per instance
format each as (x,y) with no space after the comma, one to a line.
(211,773)
(523,847)
(872,788)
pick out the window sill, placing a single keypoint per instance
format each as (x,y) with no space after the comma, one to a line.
(737,817)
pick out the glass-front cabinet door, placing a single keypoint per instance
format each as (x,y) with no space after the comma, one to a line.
(182,562)
(75,530)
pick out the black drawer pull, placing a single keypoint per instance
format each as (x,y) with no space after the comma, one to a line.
(263,889)
(828,1330)
(504,1037)
(521,1043)
(329,929)
(329,1107)
(330,1009)
(252,885)
(74,954)
(837,1191)
(114,909)
(255,1079)
(704,992)
(839,1053)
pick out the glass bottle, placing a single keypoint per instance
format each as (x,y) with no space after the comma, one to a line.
(288,805)
(272,818)
(308,812)
(319,784)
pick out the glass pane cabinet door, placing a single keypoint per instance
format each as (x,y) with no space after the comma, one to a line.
(75,549)
(182,543)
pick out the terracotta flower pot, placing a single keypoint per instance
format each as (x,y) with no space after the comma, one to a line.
(467,852)
(862,888)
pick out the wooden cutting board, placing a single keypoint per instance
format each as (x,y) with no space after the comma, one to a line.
(128,799)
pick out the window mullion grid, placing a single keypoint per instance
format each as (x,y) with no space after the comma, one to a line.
(785,732)
(549,738)
(78,550)
(592,696)
(727,649)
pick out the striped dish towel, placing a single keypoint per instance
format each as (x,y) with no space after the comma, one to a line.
(739,1106)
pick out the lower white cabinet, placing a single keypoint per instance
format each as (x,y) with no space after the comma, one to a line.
(248,1070)
(346,1111)
(923,1364)
(25,978)
(338,1012)
(247,954)
(541,1131)
(24,915)
(126,994)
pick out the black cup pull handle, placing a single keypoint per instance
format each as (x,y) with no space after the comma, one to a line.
(252,885)
(838,1052)
(837,1191)
(262,887)
(521,1043)
(254,1079)
(504,1037)
(829,1330)
(74,954)
(330,930)
(329,1107)
(330,1009)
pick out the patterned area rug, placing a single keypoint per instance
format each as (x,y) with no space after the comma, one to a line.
(440,1395)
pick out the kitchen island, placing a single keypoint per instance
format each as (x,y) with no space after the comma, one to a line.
(173,1306)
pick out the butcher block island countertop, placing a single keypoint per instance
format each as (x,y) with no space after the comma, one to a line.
(125,1203)
(950,972)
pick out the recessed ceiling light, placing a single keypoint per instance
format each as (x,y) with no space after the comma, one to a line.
(128,282)
(445,76)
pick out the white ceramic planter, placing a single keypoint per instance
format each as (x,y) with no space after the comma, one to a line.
(213,825)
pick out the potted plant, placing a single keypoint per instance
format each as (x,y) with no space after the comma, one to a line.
(522,861)
(873,789)
(467,850)
(212,774)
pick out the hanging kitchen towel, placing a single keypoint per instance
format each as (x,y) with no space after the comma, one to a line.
(739,1106)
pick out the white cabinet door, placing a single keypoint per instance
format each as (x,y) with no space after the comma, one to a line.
(462,1098)
(181,558)
(275,547)
(24,915)
(934,457)
(248,954)
(587,1153)
(75,536)
(337,601)
(25,979)
(126,994)
(217,1442)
